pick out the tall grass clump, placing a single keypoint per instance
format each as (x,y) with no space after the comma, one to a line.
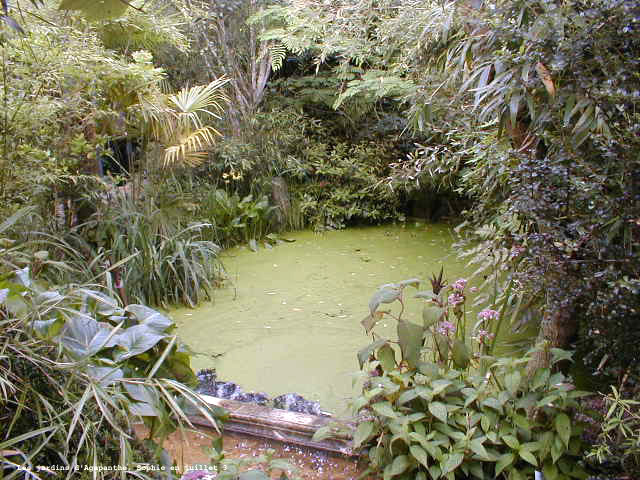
(160,256)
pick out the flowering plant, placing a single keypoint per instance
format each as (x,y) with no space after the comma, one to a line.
(464,413)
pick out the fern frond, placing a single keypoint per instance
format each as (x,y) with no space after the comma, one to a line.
(278,53)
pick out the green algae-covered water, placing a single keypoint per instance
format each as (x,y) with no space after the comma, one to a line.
(289,318)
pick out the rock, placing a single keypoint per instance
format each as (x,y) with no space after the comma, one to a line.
(296,403)
(210,385)
(207,381)
(229,390)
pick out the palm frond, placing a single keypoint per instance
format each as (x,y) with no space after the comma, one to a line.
(191,149)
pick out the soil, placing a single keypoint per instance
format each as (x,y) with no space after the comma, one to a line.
(187,450)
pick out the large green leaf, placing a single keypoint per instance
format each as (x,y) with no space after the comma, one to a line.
(136,340)
(399,465)
(439,410)
(83,336)
(431,314)
(420,455)
(362,433)
(48,328)
(150,317)
(451,462)
(460,354)
(385,409)
(410,339)
(365,353)
(563,427)
(503,462)
(105,375)
(386,294)
(387,357)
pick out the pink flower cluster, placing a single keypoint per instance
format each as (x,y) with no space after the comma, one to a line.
(459,284)
(446,327)
(456,298)
(481,335)
(488,314)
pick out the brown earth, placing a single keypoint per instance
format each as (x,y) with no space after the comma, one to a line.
(187,450)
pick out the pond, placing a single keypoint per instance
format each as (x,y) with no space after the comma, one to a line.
(289,318)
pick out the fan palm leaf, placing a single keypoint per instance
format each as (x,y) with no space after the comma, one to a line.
(179,121)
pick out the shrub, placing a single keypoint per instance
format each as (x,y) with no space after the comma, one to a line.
(466,413)
(77,369)
(233,219)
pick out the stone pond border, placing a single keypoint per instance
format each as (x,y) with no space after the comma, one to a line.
(274,423)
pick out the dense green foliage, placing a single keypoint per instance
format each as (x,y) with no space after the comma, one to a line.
(447,408)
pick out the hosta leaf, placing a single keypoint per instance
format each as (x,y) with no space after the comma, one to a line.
(143,409)
(419,454)
(503,462)
(362,433)
(451,462)
(136,340)
(438,410)
(153,319)
(385,409)
(83,336)
(48,328)
(105,375)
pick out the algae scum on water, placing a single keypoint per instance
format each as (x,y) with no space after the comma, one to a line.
(288,319)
